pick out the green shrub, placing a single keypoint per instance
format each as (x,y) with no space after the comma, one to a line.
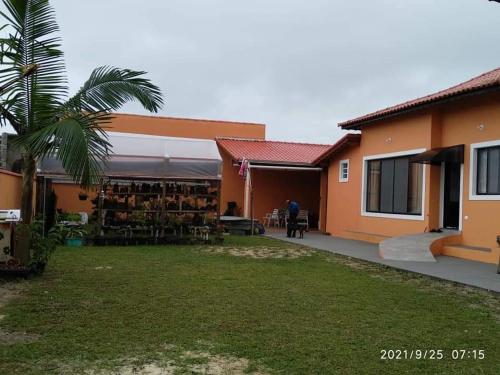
(6,249)
(59,233)
(69,216)
(41,247)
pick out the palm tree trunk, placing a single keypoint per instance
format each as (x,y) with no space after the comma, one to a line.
(29,170)
(22,242)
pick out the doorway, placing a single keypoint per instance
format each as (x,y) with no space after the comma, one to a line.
(451,195)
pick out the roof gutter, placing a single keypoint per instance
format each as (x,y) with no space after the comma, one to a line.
(283,168)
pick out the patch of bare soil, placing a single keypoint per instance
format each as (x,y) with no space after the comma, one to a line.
(12,338)
(185,362)
(261,252)
(9,291)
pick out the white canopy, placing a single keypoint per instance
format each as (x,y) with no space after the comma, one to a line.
(148,156)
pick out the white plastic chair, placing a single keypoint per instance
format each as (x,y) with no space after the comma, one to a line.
(275,218)
(267,220)
(84,218)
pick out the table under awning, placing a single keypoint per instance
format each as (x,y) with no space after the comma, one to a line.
(436,156)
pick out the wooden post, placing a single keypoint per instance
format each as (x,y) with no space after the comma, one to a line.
(252,226)
(218,203)
(249,178)
(498,267)
(163,201)
(100,199)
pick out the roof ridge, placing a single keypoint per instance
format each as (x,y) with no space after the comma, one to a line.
(238,138)
(188,118)
(272,141)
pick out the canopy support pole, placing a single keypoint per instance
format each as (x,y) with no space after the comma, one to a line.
(219,183)
(163,203)
(100,202)
(247,210)
(248,203)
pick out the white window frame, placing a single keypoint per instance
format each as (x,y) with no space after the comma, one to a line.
(364,187)
(341,175)
(473,196)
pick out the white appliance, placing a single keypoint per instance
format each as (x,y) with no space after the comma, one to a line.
(10,216)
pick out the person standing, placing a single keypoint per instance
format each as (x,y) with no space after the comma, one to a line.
(293,212)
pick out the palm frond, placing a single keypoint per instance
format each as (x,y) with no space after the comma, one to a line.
(34,99)
(79,141)
(109,88)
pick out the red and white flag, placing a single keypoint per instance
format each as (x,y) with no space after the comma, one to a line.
(244,169)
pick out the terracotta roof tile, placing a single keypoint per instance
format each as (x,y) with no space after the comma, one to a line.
(484,81)
(272,151)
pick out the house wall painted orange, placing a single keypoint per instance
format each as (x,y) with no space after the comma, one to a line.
(233,186)
(323,199)
(456,122)
(271,189)
(473,121)
(10,198)
(68,200)
(185,128)
(10,190)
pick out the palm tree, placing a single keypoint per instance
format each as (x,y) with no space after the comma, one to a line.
(35,98)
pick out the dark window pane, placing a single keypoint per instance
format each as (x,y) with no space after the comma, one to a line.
(482,171)
(394,186)
(493,170)
(373,186)
(401,169)
(415,189)
(387,185)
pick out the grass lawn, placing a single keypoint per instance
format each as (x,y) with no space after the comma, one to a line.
(253,306)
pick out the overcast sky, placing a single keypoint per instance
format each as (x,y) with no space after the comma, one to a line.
(298,66)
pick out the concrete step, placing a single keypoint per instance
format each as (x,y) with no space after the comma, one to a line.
(414,247)
(482,254)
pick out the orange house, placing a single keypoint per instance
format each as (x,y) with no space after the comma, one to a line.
(423,165)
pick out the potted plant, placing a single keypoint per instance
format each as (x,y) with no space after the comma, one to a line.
(69,217)
(75,237)
(83,196)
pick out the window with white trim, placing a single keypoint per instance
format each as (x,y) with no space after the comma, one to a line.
(488,171)
(484,180)
(394,186)
(344,171)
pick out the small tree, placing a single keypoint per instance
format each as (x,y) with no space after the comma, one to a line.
(35,99)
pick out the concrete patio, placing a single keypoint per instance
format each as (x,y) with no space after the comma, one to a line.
(481,275)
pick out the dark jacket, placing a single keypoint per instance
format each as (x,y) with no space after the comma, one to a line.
(293,208)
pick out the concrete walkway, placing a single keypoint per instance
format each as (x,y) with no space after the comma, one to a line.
(481,275)
(414,247)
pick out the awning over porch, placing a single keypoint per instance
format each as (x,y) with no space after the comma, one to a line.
(436,156)
(272,153)
(146,156)
(276,171)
